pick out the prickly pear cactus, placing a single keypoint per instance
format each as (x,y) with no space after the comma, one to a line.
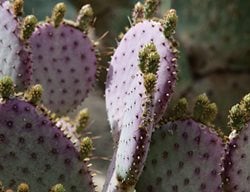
(15,58)
(140,80)
(69,129)
(35,151)
(111,180)
(185,155)
(64,60)
(236,162)
(124,77)
(74,129)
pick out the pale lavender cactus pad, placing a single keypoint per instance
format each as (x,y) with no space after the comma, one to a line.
(184,156)
(15,58)
(111,180)
(64,64)
(126,97)
(236,162)
(124,88)
(35,151)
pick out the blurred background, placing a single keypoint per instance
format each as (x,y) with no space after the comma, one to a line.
(214,39)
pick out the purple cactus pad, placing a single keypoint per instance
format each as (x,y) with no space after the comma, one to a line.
(127,100)
(124,88)
(64,64)
(35,151)
(237,161)
(184,156)
(15,58)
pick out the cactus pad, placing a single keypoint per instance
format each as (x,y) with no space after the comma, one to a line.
(15,59)
(135,96)
(36,152)
(64,64)
(111,181)
(184,156)
(237,172)
(125,87)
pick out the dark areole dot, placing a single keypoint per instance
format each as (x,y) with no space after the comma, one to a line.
(28,126)
(165,155)
(176,146)
(25,170)
(9,124)
(214,172)
(169,172)
(197,170)
(175,188)
(245,138)
(21,140)
(186,181)
(206,155)
(181,164)
(39,180)
(150,188)
(40,139)
(54,151)
(33,156)
(12,154)
(61,177)
(27,109)
(2,138)
(67,161)
(203,186)
(158,180)
(243,156)
(12,182)
(47,167)
(197,139)
(15,107)
(73,187)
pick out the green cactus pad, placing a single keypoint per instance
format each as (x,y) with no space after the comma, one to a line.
(184,156)
(34,151)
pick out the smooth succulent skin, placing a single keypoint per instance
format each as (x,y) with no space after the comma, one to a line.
(184,156)
(35,151)
(236,172)
(67,57)
(111,180)
(124,78)
(130,104)
(15,58)
(236,162)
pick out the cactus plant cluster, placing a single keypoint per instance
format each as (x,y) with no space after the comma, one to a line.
(49,67)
